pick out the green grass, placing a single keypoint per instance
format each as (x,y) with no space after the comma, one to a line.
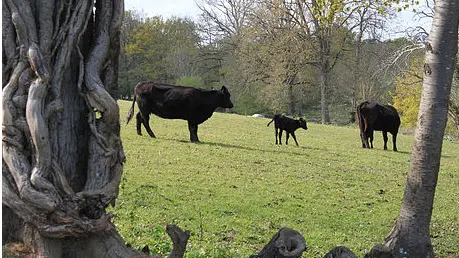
(236,188)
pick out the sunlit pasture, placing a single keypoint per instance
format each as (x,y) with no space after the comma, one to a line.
(236,188)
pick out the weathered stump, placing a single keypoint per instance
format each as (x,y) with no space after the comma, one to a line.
(340,252)
(287,243)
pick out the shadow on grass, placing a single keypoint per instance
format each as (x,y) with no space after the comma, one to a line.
(386,151)
(404,152)
(285,151)
(233,146)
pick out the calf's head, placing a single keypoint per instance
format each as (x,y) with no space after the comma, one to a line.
(225,98)
(302,123)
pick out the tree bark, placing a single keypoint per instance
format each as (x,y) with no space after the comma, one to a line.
(324,92)
(410,236)
(291,110)
(286,243)
(62,152)
(179,240)
(324,74)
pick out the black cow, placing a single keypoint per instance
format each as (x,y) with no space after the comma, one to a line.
(177,102)
(373,116)
(288,124)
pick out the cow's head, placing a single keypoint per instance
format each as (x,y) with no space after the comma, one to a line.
(302,123)
(225,101)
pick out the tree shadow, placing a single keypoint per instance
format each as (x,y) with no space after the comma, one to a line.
(313,148)
(404,152)
(234,146)
(239,147)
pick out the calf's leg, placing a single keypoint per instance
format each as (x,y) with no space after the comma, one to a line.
(276,133)
(193,128)
(294,138)
(280,137)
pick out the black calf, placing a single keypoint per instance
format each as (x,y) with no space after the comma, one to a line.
(288,124)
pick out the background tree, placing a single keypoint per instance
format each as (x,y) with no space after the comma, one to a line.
(273,53)
(410,237)
(183,41)
(453,108)
(267,53)
(288,46)
(367,24)
(62,153)
(131,22)
(225,18)
(326,24)
(408,94)
(157,49)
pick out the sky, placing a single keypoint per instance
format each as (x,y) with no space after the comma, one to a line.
(165,8)
(188,9)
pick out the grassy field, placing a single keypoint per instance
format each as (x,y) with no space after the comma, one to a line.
(236,188)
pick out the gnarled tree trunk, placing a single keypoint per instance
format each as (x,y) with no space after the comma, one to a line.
(410,236)
(62,153)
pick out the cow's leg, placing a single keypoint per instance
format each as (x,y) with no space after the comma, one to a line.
(371,139)
(146,124)
(394,141)
(294,138)
(364,138)
(139,119)
(384,134)
(193,128)
(280,136)
(287,135)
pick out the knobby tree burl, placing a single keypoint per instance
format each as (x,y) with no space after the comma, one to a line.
(62,153)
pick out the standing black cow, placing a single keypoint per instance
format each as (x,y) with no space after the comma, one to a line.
(177,102)
(288,124)
(373,116)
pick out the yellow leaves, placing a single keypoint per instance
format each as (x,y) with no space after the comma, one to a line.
(132,49)
(400,5)
(332,9)
(408,93)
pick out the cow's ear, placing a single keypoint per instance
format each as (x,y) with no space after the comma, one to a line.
(224,90)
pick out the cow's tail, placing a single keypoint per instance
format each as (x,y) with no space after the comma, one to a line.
(131,111)
(362,122)
(274,118)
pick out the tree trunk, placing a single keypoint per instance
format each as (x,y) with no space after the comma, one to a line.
(62,152)
(324,73)
(410,236)
(291,98)
(356,71)
(324,95)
